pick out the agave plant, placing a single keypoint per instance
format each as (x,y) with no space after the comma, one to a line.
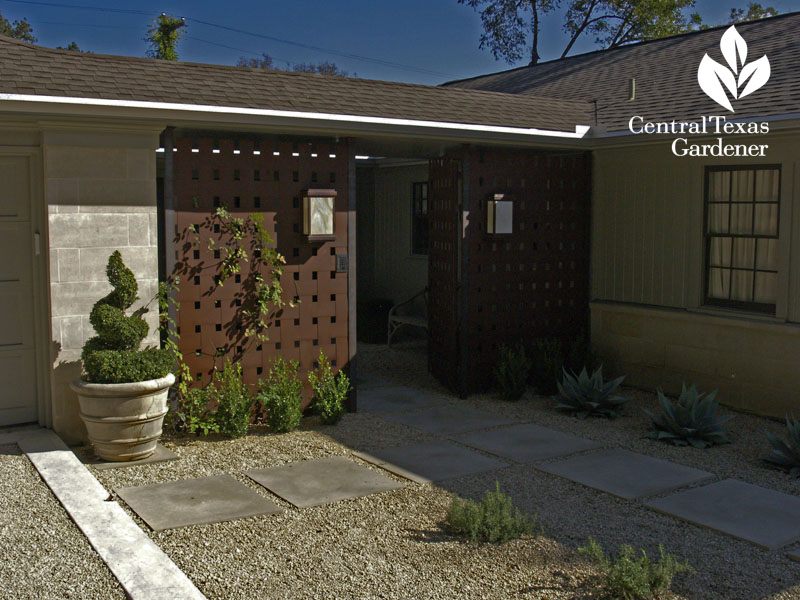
(585,396)
(786,456)
(691,420)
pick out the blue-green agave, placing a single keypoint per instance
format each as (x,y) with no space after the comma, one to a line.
(786,455)
(691,420)
(585,396)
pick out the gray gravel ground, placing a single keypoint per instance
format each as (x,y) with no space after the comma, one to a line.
(391,545)
(44,554)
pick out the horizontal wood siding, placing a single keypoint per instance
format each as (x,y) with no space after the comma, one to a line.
(647,225)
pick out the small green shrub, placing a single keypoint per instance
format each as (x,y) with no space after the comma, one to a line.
(631,577)
(330,392)
(113,355)
(194,413)
(585,396)
(281,396)
(548,361)
(234,401)
(691,420)
(786,455)
(512,371)
(493,519)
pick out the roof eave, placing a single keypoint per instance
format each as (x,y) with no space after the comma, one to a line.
(286,121)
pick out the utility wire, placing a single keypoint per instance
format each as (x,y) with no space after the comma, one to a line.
(378,61)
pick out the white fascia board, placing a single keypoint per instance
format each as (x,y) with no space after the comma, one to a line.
(298,118)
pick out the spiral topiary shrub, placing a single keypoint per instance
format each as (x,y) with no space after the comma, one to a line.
(113,355)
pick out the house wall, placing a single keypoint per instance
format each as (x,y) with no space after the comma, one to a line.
(100,189)
(393,272)
(648,318)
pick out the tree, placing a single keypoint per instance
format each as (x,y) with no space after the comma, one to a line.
(72,46)
(163,35)
(506,24)
(618,22)
(323,68)
(754,12)
(268,64)
(265,62)
(20,30)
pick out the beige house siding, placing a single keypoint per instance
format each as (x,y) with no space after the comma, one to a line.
(396,274)
(100,189)
(648,318)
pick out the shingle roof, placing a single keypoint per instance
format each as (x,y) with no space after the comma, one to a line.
(29,69)
(666,76)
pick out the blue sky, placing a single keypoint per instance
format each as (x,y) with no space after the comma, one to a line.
(433,40)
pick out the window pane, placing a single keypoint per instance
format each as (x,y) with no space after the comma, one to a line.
(742,218)
(744,250)
(742,286)
(766,288)
(767,184)
(767,255)
(719,186)
(720,252)
(766,219)
(742,186)
(718,218)
(719,281)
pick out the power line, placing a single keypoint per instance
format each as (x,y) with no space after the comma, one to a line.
(377,61)
(385,63)
(129,11)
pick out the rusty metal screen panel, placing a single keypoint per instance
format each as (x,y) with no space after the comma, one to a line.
(533,282)
(443,270)
(251,175)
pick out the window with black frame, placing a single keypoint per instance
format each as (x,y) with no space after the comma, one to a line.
(419,218)
(741,234)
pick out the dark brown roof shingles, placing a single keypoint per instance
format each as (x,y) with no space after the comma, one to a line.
(666,76)
(28,69)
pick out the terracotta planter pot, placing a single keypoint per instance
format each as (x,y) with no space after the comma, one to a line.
(124,420)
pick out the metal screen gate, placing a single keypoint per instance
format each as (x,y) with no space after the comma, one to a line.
(251,175)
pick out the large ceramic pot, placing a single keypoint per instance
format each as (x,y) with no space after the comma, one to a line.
(124,420)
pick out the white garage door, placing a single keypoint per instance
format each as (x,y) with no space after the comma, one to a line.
(17,353)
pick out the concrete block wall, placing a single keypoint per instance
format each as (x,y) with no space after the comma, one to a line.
(752,362)
(101,196)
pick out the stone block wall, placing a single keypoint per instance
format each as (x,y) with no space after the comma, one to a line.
(101,196)
(751,361)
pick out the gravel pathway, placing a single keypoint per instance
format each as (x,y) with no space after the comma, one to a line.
(391,545)
(728,569)
(44,554)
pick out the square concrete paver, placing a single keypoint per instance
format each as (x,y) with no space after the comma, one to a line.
(794,554)
(433,461)
(749,512)
(195,502)
(388,399)
(161,454)
(624,474)
(448,419)
(526,443)
(315,482)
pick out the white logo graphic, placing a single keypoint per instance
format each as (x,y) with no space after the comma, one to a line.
(715,78)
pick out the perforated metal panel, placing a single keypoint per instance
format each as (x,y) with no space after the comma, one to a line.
(261,176)
(443,270)
(530,283)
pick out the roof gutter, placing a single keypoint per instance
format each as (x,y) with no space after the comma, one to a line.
(300,118)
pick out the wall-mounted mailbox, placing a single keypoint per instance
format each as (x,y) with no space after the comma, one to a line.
(500,215)
(318,212)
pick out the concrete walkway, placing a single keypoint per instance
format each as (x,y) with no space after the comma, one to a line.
(761,516)
(140,566)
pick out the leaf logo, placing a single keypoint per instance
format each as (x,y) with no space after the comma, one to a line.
(740,80)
